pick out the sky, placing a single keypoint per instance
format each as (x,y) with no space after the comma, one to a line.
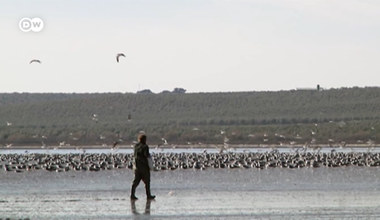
(198,45)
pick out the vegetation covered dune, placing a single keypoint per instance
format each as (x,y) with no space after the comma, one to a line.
(334,116)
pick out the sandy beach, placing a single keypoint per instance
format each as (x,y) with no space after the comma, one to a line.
(323,193)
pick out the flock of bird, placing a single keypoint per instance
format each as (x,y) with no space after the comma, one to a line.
(117,59)
(174,161)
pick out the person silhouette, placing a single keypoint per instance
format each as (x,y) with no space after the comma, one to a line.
(141,167)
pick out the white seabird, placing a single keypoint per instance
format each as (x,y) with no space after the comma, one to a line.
(164,141)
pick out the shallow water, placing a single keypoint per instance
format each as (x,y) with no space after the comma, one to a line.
(323,193)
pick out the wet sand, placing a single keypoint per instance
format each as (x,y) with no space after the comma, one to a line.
(322,193)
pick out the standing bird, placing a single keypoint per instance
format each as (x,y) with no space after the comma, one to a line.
(119,55)
(35,61)
(114,144)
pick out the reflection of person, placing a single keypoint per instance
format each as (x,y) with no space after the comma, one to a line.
(147,207)
(133,207)
(141,167)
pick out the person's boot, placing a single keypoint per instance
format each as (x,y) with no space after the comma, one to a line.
(151,197)
(133,191)
(148,194)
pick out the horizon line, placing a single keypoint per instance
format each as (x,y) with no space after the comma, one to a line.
(196,92)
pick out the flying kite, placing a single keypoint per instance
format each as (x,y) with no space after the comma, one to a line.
(119,55)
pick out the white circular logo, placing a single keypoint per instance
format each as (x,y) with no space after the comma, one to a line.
(31,24)
(25,24)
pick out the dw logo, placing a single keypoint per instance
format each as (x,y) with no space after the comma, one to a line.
(31,24)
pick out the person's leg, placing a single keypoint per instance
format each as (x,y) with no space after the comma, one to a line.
(135,183)
(146,180)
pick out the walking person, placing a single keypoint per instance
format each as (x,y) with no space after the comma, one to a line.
(141,167)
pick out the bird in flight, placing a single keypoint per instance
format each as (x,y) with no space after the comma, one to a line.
(119,55)
(164,141)
(35,61)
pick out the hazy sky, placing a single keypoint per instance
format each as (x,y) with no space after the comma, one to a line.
(199,45)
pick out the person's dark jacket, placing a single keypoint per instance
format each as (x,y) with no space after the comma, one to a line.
(141,154)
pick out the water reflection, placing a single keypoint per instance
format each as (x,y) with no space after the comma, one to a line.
(134,209)
(147,206)
(350,192)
